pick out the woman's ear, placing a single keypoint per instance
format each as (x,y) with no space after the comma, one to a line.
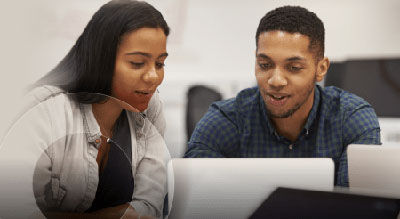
(322,68)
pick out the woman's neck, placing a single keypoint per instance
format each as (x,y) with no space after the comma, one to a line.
(106,114)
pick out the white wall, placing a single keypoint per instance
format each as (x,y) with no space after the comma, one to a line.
(212,42)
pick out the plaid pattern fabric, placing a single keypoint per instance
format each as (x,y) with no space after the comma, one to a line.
(239,127)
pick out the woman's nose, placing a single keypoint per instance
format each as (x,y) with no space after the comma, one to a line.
(151,76)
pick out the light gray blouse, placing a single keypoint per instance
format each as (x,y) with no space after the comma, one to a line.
(48,157)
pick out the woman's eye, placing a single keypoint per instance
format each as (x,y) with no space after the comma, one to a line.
(137,64)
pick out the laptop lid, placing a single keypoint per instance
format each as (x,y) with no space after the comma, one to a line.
(327,205)
(374,169)
(235,187)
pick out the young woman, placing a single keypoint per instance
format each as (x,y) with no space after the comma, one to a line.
(90,142)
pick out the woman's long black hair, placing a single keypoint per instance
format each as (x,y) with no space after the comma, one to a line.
(89,66)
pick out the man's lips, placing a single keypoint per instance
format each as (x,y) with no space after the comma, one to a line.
(277,99)
(278,95)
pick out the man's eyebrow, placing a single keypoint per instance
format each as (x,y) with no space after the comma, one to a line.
(263,56)
(146,54)
(162,55)
(295,58)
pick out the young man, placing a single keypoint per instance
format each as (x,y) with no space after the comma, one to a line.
(287,114)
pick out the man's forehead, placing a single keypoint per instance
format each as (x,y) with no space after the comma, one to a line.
(289,58)
(284,35)
(292,44)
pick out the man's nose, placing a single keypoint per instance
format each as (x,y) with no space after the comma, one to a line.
(277,79)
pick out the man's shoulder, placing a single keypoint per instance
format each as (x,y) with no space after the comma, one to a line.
(244,98)
(345,99)
(241,104)
(339,102)
(218,133)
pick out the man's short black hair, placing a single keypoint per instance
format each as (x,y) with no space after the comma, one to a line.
(295,19)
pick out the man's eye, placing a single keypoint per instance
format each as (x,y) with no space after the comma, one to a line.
(137,64)
(295,68)
(265,65)
(160,65)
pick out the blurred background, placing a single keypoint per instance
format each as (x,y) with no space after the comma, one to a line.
(212,43)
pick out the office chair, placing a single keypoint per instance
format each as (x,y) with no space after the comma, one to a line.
(199,98)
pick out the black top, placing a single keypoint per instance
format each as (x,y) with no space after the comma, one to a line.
(116,182)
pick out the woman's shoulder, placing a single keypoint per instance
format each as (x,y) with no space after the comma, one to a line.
(48,107)
(51,98)
(48,94)
(43,93)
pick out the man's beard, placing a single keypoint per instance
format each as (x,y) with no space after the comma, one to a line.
(297,106)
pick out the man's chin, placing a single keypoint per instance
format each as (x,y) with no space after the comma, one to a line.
(281,114)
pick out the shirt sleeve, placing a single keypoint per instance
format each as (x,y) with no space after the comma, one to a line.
(155,114)
(22,177)
(216,135)
(151,176)
(360,127)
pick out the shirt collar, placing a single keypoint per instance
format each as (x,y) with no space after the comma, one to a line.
(311,116)
(313,113)
(92,129)
(264,113)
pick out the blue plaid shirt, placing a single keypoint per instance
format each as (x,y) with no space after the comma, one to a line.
(239,127)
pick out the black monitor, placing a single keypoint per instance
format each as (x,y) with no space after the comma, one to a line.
(376,81)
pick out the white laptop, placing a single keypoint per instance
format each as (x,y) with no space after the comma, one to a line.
(235,187)
(374,169)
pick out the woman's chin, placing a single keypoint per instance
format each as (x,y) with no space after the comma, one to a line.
(138,108)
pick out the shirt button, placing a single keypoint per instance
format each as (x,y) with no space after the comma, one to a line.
(140,122)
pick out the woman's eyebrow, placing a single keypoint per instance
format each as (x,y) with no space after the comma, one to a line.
(146,54)
(139,53)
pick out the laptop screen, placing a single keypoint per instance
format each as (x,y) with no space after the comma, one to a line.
(235,187)
(374,169)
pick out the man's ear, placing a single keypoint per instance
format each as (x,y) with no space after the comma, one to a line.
(322,68)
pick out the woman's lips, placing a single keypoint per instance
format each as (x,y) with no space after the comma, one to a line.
(144,93)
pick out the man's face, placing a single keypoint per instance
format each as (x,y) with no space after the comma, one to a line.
(286,72)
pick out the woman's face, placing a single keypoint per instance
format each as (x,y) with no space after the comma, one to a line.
(139,66)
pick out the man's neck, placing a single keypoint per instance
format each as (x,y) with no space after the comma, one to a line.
(292,126)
